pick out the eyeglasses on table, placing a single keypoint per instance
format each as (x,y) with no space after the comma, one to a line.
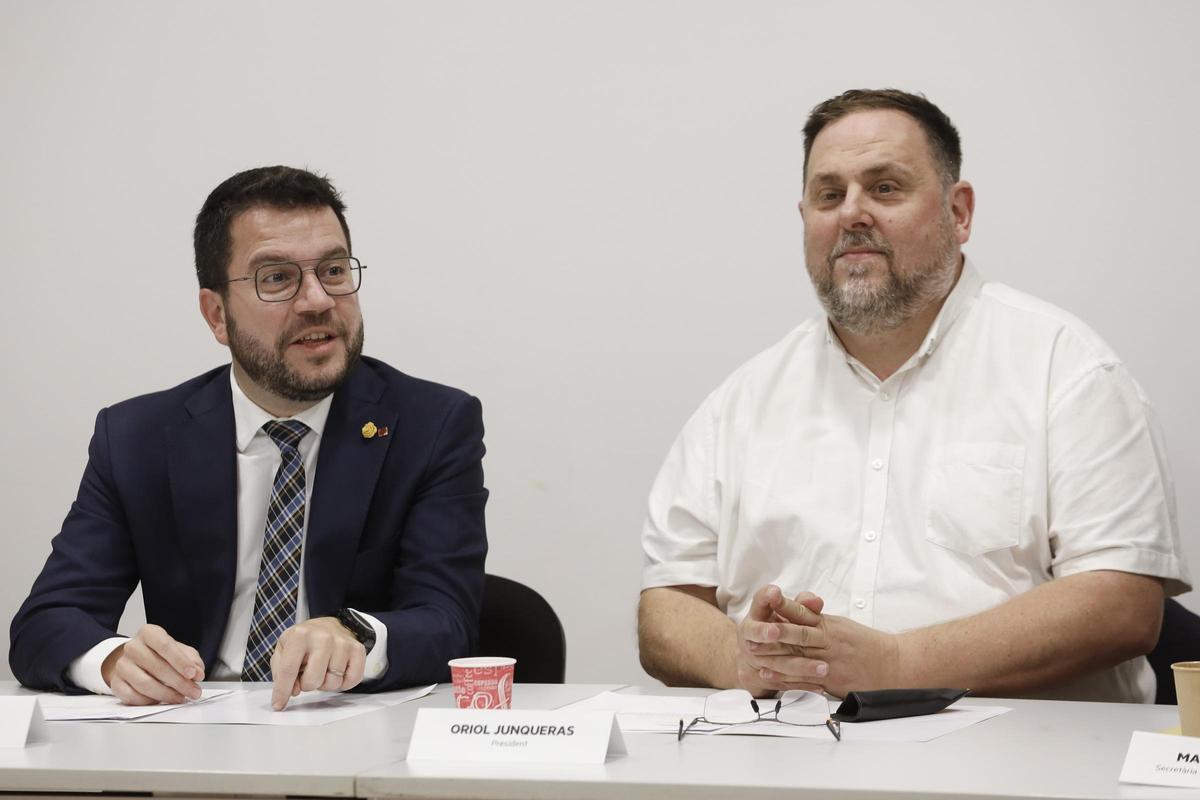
(737,707)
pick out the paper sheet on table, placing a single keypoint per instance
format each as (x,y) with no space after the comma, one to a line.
(253,707)
(104,707)
(644,713)
(640,713)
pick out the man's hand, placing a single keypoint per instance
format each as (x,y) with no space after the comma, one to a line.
(317,654)
(153,668)
(780,643)
(857,658)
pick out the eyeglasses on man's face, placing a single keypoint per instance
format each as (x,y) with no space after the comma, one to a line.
(278,283)
(737,707)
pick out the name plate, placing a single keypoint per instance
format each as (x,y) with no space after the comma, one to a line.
(555,737)
(1159,759)
(20,721)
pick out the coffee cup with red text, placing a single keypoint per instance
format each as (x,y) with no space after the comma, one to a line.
(483,681)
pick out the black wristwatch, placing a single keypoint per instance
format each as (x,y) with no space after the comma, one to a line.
(358,626)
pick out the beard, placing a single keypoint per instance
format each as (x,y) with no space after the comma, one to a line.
(863,308)
(268,366)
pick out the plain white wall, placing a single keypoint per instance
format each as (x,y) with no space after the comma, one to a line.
(584,213)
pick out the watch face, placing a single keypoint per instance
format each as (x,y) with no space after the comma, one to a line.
(361,629)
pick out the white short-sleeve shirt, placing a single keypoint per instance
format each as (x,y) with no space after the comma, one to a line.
(1013,448)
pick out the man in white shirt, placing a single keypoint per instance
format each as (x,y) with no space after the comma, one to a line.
(942,482)
(305,515)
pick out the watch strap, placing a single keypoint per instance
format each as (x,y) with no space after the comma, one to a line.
(358,627)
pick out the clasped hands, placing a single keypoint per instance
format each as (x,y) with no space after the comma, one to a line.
(154,668)
(789,644)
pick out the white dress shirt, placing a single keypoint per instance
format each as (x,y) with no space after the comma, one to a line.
(1013,448)
(258,459)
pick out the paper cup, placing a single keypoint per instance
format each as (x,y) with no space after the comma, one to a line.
(483,682)
(1187,689)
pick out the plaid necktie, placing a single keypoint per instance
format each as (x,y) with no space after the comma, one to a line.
(279,573)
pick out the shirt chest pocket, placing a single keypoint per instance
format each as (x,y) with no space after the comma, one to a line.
(975,497)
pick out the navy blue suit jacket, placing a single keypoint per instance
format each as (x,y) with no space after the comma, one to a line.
(396,526)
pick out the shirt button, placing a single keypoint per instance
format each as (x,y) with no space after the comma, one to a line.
(884,396)
(870,536)
(860,603)
(877,464)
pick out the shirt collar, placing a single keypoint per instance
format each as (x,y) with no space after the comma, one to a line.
(962,295)
(965,290)
(248,418)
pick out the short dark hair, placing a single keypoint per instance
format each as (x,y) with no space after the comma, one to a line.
(273,187)
(940,132)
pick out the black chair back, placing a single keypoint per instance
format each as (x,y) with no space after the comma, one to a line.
(1179,640)
(517,622)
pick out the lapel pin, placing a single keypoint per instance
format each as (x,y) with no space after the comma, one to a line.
(369,430)
(382,432)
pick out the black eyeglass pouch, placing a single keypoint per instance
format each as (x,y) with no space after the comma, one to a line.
(894,703)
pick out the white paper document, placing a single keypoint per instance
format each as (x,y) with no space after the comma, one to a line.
(59,707)
(253,707)
(640,713)
(644,713)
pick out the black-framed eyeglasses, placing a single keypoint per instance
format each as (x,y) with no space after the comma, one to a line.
(737,707)
(278,283)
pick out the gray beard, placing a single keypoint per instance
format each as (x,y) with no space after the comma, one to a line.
(866,311)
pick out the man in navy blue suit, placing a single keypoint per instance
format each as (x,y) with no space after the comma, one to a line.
(305,515)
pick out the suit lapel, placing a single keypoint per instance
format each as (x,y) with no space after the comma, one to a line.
(347,470)
(202,469)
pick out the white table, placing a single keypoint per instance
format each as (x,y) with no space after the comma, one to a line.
(239,760)
(1041,749)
